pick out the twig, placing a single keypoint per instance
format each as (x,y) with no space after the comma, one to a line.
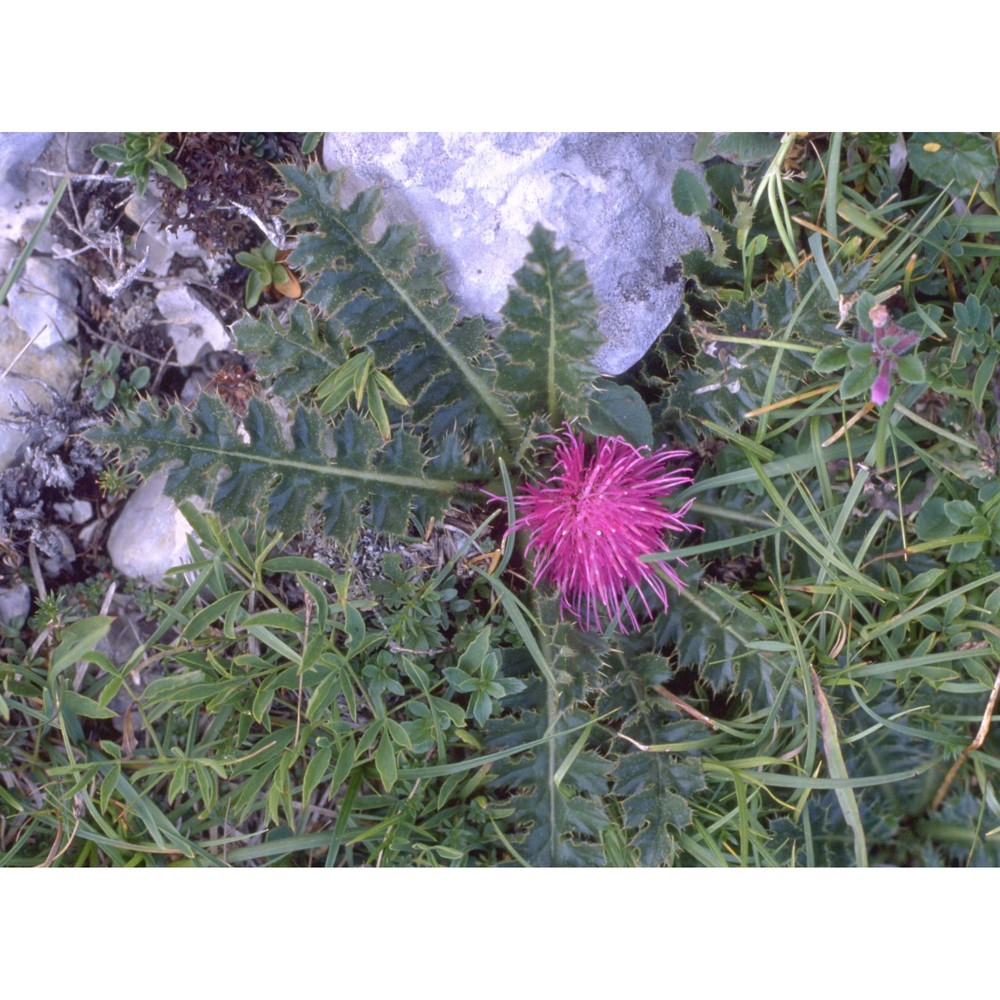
(5,371)
(54,852)
(36,571)
(103,178)
(684,706)
(393,648)
(837,435)
(642,746)
(112,291)
(984,728)
(97,335)
(70,254)
(275,233)
(26,421)
(109,597)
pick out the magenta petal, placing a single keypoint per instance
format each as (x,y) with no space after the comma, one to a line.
(592,520)
(880,390)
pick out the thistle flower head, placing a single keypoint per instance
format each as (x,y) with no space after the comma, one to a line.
(592,520)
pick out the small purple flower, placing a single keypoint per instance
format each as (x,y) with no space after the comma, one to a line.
(881,387)
(888,341)
(590,522)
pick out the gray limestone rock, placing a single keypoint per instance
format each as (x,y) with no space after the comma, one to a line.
(31,164)
(39,316)
(32,370)
(159,245)
(24,194)
(43,301)
(607,196)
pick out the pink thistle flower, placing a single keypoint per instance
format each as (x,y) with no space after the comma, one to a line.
(593,519)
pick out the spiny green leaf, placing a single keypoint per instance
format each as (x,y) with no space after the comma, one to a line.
(339,471)
(712,631)
(688,192)
(390,295)
(297,356)
(550,334)
(561,825)
(654,788)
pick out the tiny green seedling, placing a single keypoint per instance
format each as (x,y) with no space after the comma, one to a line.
(108,388)
(139,153)
(268,272)
(358,377)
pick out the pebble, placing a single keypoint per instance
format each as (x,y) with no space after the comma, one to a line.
(150,535)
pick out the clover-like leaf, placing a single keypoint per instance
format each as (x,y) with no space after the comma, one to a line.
(959,161)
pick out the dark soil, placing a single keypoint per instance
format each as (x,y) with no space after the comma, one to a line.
(58,465)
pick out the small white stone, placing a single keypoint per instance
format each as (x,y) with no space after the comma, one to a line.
(150,534)
(15,603)
(24,193)
(191,324)
(82,512)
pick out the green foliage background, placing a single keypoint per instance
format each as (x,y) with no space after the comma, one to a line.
(803,701)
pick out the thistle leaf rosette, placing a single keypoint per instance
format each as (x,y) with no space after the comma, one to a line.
(593,520)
